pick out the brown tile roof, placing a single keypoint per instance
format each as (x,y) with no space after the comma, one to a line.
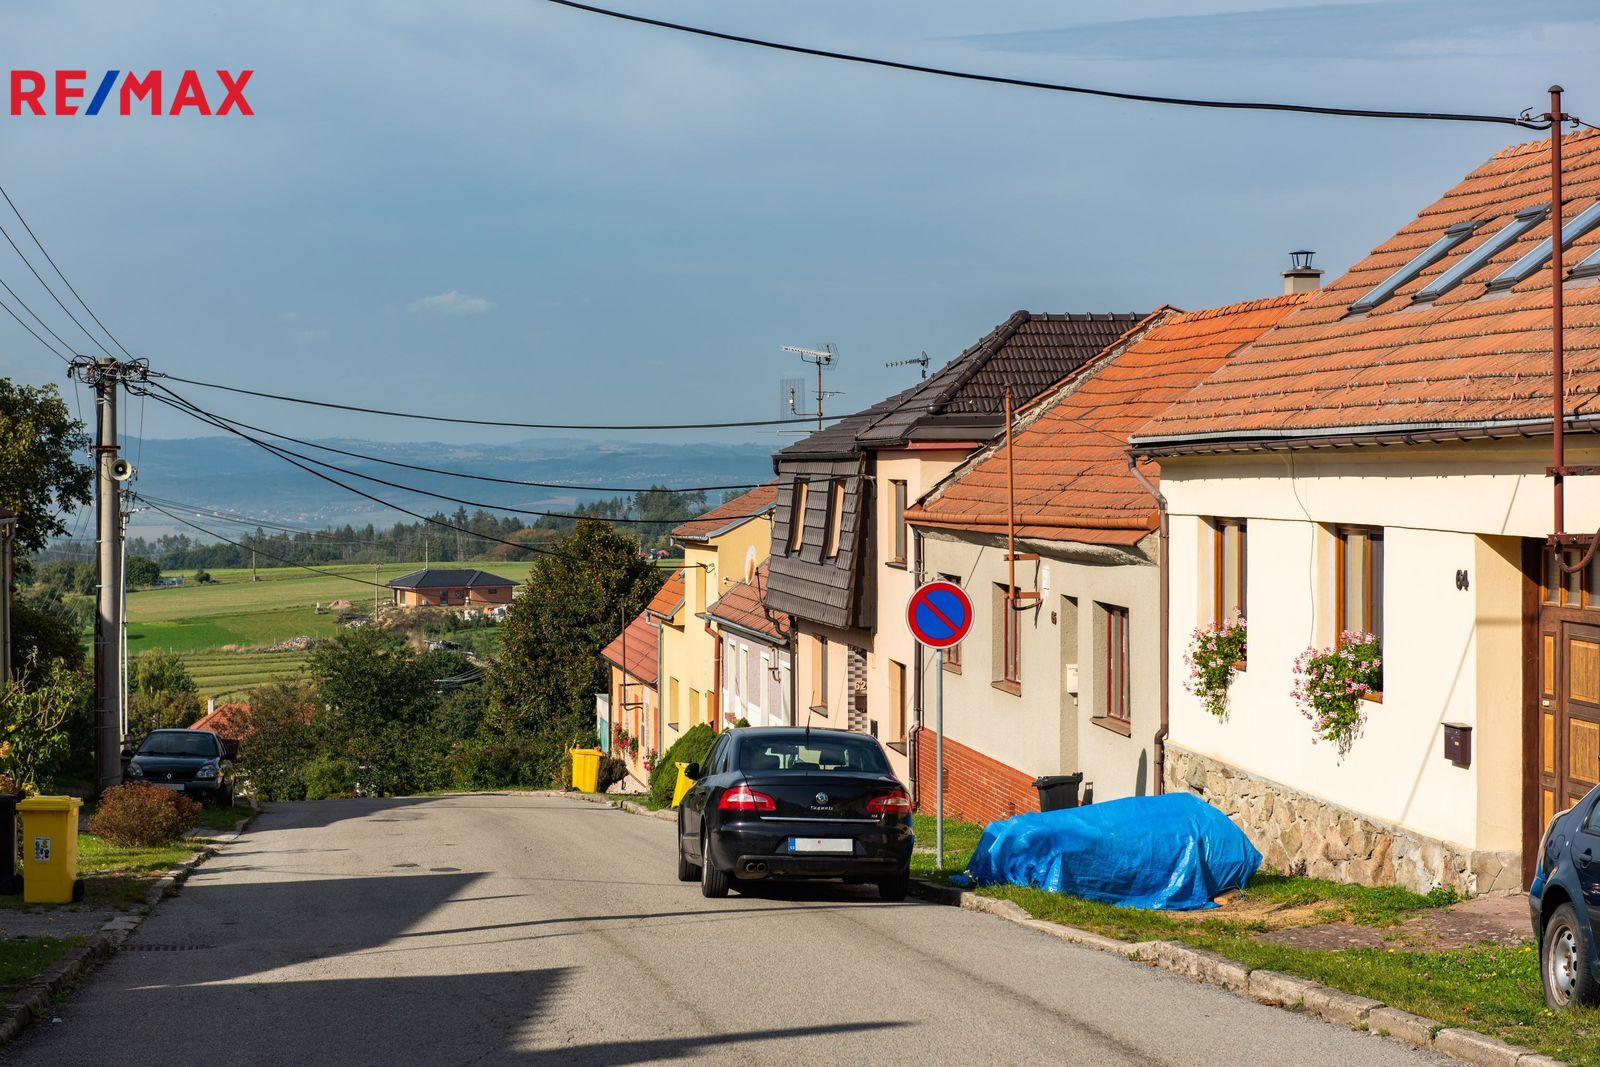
(230,721)
(741,606)
(736,512)
(1029,351)
(642,635)
(1070,447)
(1468,358)
(669,598)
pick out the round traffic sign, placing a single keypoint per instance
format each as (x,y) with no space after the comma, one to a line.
(939,614)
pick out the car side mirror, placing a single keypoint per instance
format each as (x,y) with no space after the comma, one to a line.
(692,772)
(230,750)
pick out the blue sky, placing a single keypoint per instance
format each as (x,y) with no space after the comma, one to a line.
(508,209)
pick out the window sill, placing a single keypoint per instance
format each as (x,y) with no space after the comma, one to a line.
(952,668)
(897,564)
(1014,688)
(1116,726)
(1376,698)
(672,726)
(898,746)
(819,709)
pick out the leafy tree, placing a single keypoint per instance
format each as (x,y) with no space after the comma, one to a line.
(45,632)
(161,693)
(281,741)
(202,577)
(35,708)
(549,668)
(142,571)
(40,476)
(378,699)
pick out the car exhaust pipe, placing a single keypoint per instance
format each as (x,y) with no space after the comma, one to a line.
(755,867)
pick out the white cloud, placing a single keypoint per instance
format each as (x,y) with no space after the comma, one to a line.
(453,302)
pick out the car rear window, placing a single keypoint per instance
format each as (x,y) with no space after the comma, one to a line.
(846,755)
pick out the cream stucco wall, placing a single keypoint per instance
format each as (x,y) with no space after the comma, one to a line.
(1451,654)
(1045,729)
(710,568)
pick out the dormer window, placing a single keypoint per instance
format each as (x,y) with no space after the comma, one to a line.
(1524,221)
(1421,262)
(1524,268)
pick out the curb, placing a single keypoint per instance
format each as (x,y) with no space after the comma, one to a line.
(33,1001)
(1267,987)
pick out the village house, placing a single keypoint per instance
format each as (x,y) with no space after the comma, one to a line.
(666,612)
(757,666)
(450,587)
(842,562)
(631,704)
(1377,465)
(1060,673)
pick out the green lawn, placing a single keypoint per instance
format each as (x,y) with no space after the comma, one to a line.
(23,961)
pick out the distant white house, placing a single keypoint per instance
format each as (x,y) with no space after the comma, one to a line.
(165,582)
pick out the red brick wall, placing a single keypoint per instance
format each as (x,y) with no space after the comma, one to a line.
(976,788)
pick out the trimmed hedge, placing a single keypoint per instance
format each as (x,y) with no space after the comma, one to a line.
(693,747)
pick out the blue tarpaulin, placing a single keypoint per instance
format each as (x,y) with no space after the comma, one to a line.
(1173,852)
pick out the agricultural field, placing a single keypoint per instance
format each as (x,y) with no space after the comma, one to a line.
(220,628)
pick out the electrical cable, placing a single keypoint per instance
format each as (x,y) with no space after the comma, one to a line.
(1143,98)
(43,325)
(75,320)
(51,260)
(462,501)
(490,478)
(53,350)
(318,538)
(492,422)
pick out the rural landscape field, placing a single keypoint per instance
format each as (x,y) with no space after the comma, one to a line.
(226,629)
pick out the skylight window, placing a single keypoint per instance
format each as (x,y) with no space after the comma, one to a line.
(1425,259)
(1588,266)
(1524,221)
(1524,267)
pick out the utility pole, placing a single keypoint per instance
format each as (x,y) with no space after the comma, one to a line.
(105,376)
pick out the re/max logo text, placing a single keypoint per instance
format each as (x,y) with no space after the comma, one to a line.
(64,92)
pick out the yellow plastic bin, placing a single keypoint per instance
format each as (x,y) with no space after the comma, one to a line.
(50,850)
(586,769)
(682,786)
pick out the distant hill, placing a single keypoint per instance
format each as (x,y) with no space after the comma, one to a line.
(230,475)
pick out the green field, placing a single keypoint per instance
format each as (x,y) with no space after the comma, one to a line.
(219,627)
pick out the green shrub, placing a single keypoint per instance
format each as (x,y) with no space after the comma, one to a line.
(693,747)
(140,814)
(612,771)
(281,740)
(504,764)
(330,776)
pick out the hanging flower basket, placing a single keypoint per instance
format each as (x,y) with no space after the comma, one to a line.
(1215,654)
(1332,686)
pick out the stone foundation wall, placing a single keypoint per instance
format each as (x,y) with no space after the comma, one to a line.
(1301,834)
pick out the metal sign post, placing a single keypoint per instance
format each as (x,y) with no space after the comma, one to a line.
(939,615)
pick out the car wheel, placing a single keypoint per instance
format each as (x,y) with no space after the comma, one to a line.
(896,888)
(1564,962)
(713,883)
(687,872)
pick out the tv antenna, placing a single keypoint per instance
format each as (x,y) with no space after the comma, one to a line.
(819,358)
(920,361)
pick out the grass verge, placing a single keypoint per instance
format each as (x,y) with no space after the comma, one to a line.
(23,961)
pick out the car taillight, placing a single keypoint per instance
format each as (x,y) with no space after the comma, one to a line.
(743,798)
(896,803)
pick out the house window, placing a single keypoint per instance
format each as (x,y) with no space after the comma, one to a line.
(1358,581)
(819,673)
(835,515)
(897,701)
(952,655)
(1114,700)
(1007,642)
(672,702)
(1228,570)
(797,515)
(897,517)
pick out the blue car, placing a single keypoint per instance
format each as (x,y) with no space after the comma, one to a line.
(1565,903)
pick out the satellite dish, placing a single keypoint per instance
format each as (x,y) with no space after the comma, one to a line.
(121,470)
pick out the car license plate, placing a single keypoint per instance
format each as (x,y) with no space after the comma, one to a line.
(170,785)
(821,844)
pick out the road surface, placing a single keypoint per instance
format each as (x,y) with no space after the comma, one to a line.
(503,929)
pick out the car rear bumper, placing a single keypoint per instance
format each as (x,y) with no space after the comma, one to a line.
(761,850)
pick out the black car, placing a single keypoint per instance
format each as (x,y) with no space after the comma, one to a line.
(191,761)
(790,802)
(1565,904)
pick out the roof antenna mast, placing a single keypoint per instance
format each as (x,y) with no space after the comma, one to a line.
(920,361)
(819,358)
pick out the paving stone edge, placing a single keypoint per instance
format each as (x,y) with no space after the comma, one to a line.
(33,1000)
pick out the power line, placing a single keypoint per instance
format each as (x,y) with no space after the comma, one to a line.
(51,260)
(1080,90)
(490,478)
(53,351)
(29,264)
(318,537)
(488,422)
(217,420)
(249,548)
(43,325)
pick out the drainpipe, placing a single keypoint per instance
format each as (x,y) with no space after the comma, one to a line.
(914,735)
(1165,578)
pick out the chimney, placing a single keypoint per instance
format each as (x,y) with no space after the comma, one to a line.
(1301,277)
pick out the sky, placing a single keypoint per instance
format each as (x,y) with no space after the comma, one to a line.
(508,209)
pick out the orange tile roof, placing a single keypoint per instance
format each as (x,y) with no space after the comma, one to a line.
(1070,445)
(742,606)
(231,721)
(1468,358)
(641,662)
(669,598)
(736,512)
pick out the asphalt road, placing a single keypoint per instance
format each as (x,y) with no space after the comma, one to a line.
(542,930)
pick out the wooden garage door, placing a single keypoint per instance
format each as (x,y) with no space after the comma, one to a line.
(1569,750)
